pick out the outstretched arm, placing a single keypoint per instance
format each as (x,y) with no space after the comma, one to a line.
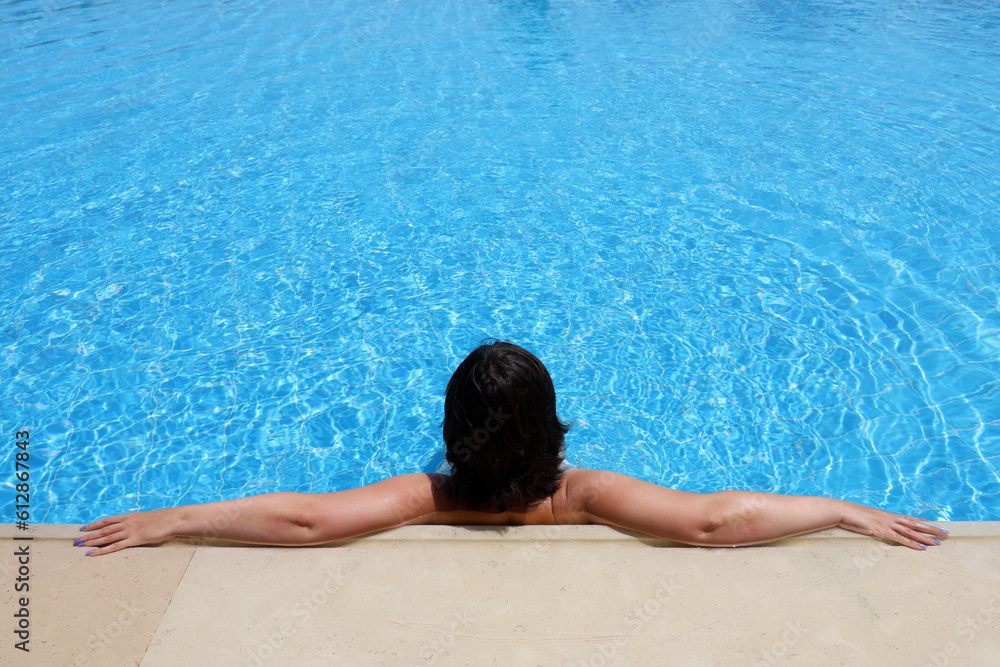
(280,518)
(730,518)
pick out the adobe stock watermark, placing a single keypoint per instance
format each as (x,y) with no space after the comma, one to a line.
(460,625)
(873,554)
(968,629)
(901,13)
(302,610)
(647,610)
(35,23)
(635,621)
(712,27)
(411,506)
(533,550)
(375,27)
(536,548)
(777,652)
(104,639)
(480,436)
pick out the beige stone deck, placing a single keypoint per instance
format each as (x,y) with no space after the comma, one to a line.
(569,595)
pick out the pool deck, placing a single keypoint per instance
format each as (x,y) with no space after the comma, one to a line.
(554,595)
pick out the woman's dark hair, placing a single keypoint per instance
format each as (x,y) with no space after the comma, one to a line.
(502,436)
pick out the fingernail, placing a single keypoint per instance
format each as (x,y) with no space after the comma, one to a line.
(78,542)
(89,552)
(944,531)
(936,542)
(83,528)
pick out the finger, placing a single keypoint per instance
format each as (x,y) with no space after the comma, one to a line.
(924,538)
(101,523)
(101,536)
(103,540)
(915,539)
(111,548)
(934,530)
(920,526)
(917,523)
(923,541)
(99,529)
(899,537)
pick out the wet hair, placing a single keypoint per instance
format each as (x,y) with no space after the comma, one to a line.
(502,436)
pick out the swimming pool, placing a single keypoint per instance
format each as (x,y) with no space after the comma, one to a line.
(756,243)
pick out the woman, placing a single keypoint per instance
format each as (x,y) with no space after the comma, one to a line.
(504,442)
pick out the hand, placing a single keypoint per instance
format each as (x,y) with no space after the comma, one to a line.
(906,530)
(126,530)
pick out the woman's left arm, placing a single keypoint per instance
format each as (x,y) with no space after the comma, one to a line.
(732,517)
(280,518)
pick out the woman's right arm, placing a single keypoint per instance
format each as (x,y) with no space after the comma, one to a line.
(280,518)
(730,518)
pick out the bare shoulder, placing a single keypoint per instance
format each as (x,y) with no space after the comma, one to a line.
(597,492)
(580,487)
(406,498)
(431,492)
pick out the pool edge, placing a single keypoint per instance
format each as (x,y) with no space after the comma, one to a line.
(855,595)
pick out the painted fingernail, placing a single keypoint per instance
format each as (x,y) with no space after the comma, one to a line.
(83,528)
(936,542)
(89,552)
(944,531)
(78,542)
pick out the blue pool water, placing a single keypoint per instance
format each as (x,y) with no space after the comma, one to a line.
(244,243)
